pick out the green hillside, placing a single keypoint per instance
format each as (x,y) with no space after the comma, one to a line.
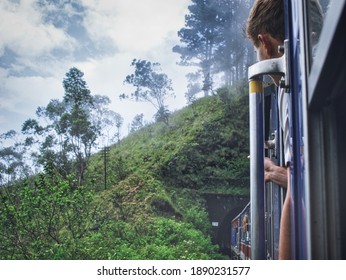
(204,147)
(151,206)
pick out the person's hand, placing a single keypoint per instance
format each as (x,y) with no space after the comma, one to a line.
(274,173)
(268,166)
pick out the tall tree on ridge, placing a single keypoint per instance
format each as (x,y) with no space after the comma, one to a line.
(199,38)
(151,86)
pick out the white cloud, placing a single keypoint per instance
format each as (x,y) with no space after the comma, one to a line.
(23,31)
(25,94)
(145,29)
(135,25)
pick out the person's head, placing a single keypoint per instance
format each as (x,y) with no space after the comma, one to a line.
(315,20)
(265,27)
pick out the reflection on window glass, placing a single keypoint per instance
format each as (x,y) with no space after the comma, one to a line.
(317,10)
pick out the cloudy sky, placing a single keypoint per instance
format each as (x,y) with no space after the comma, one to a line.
(40,40)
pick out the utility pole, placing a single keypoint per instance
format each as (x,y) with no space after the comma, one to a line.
(105,153)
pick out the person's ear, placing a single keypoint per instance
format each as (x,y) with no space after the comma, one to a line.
(266,44)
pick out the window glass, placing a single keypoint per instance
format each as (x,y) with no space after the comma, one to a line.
(316,9)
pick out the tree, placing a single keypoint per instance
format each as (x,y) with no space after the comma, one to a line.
(108,121)
(151,85)
(13,164)
(234,53)
(10,163)
(77,93)
(72,127)
(199,38)
(119,120)
(53,145)
(137,123)
(43,219)
(193,87)
(213,41)
(162,115)
(81,135)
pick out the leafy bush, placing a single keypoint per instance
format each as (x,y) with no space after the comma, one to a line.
(37,217)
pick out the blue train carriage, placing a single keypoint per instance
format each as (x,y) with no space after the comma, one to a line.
(313,73)
(241,238)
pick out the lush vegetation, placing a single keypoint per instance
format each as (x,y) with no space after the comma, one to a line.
(203,147)
(151,206)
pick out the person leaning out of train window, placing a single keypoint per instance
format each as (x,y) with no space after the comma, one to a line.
(266,29)
(266,47)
